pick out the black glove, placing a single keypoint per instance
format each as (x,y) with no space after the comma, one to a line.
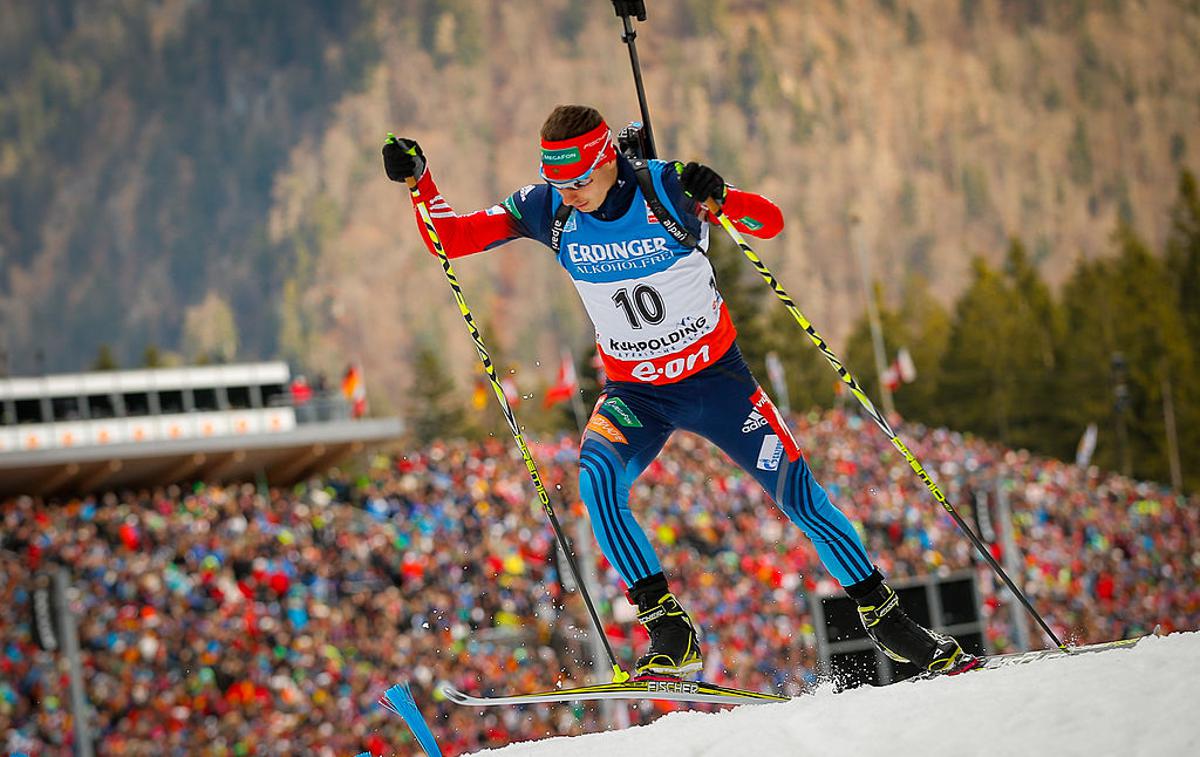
(402,158)
(701,182)
(635,8)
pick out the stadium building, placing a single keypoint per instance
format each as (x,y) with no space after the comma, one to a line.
(82,432)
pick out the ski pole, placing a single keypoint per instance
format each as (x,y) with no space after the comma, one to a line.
(865,401)
(543,496)
(625,9)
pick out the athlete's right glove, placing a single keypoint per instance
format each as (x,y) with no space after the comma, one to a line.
(403,159)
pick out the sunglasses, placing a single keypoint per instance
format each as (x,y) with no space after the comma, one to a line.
(586,178)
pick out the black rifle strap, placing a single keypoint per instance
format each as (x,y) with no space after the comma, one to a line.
(642,170)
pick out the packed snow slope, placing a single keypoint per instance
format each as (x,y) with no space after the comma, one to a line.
(1141,701)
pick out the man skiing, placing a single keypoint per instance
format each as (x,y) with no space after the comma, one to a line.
(633,234)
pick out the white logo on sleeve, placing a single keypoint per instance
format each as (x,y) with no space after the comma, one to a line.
(770,453)
(753,422)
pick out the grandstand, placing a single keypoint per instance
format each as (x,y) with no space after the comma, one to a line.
(263,616)
(82,432)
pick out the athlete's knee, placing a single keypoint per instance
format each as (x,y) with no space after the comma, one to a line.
(598,474)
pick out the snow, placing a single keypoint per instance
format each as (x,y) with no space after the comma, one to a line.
(1140,701)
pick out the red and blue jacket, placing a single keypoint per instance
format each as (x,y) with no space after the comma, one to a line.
(654,302)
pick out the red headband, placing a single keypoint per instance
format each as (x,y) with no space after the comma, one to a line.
(567,159)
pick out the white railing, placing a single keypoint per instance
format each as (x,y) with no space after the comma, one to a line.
(150,428)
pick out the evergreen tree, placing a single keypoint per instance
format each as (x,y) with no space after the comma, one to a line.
(810,380)
(151,357)
(105,361)
(921,326)
(1150,331)
(438,411)
(977,386)
(926,331)
(1035,330)
(1183,268)
(1128,305)
(998,373)
(1085,374)
(1183,252)
(859,355)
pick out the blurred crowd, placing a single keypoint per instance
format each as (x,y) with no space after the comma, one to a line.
(227,620)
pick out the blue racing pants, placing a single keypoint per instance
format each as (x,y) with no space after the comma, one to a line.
(724,404)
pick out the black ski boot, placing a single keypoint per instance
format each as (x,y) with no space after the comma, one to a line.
(674,646)
(902,639)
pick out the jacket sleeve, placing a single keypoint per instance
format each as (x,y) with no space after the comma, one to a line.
(750,213)
(461,235)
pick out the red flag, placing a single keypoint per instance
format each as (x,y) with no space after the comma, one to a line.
(480,394)
(891,378)
(355,390)
(565,385)
(902,369)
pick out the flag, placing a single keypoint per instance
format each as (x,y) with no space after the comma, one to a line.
(1087,445)
(355,391)
(778,381)
(480,394)
(891,378)
(905,366)
(511,392)
(902,369)
(566,384)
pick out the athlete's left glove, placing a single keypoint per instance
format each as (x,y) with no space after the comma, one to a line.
(403,159)
(701,182)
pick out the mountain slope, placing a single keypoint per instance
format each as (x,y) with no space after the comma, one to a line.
(166,159)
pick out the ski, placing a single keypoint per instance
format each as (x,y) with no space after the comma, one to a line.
(1021,658)
(676,690)
(664,689)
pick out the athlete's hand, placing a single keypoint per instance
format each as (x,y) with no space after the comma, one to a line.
(701,182)
(403,159)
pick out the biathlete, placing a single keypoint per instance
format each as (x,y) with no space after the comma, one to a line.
(633,234)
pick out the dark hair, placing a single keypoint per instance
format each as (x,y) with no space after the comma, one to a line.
(568,121)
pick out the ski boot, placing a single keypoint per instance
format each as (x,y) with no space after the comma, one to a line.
(903,640)
(674,646)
